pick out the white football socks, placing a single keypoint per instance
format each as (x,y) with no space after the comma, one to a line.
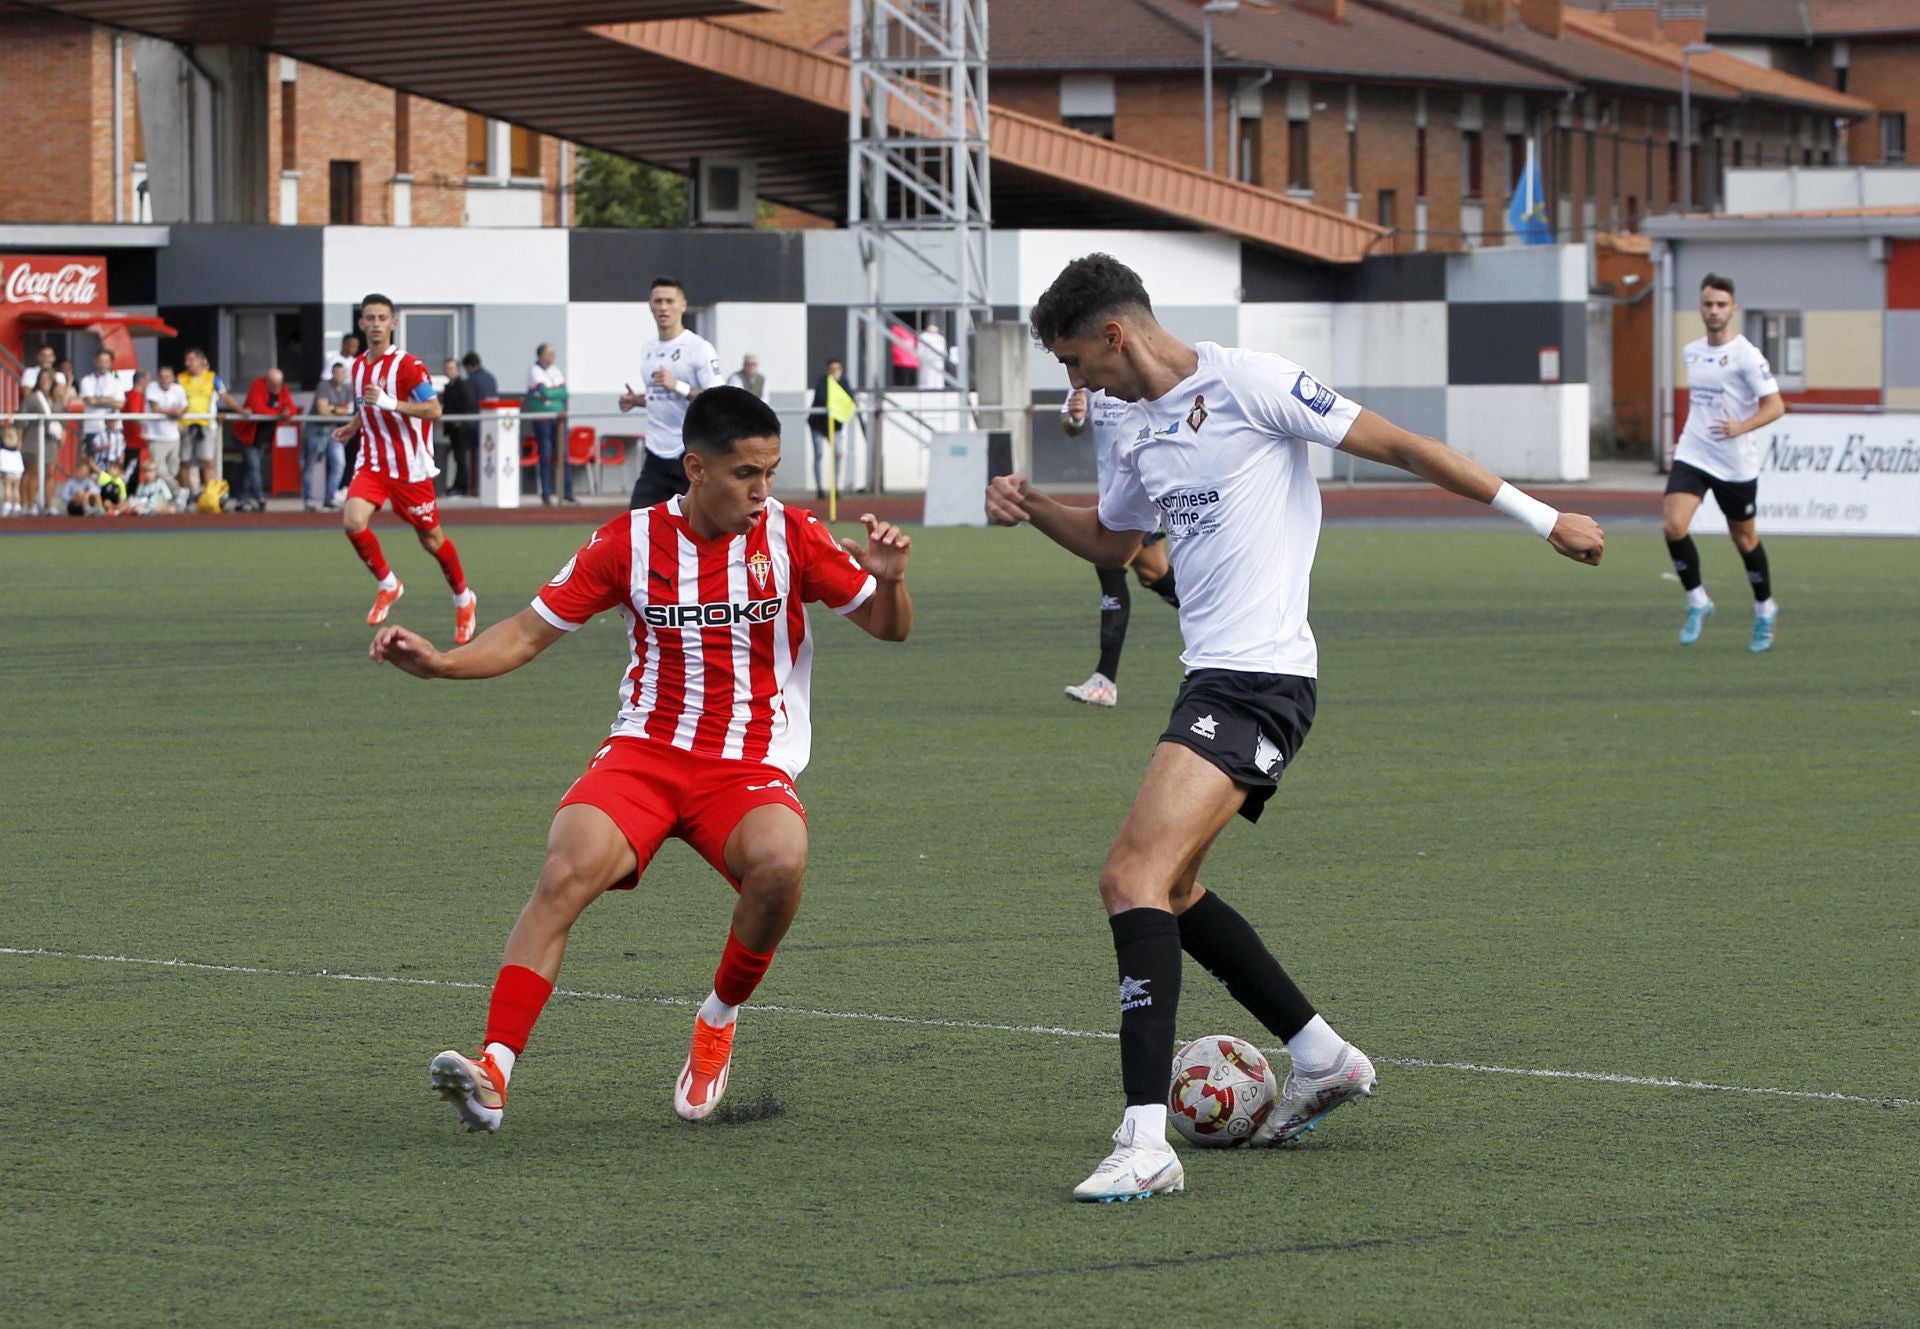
(389,582)
(503,1057)
(1697,597)
(717,1013)
(1316,1046)
(465,598)
(1149,1126)
(1765,608)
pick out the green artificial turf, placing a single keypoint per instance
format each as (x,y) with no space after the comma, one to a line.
(1528,831)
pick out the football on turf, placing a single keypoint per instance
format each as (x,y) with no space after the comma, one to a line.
(1223,1089)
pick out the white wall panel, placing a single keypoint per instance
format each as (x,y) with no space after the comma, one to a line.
(1178,267)
(1526,432)
(603,345)
(1393,345)
(776,333)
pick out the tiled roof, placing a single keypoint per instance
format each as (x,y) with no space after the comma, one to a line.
(1817,18)
(1733,74)
(1575,59)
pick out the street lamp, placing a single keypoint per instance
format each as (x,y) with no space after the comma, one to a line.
(1207,11)
(1686,120)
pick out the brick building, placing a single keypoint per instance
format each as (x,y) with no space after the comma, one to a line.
(1870,48)
(330,149)
(1416,114)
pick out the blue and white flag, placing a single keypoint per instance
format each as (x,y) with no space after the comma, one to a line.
(1527,214)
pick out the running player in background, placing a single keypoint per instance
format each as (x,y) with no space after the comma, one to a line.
(1103,414)
(1218,448)
(395,407)
(1731,393)
(712,731)
(676,367)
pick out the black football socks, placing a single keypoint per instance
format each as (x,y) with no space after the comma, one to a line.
(1213,932)
(1757,573)
(1116,606)
(1146,942)
(1686,561)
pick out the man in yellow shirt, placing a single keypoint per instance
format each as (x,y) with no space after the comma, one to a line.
(200,431)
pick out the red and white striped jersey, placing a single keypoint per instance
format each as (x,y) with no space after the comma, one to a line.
(393,444)
(721,655)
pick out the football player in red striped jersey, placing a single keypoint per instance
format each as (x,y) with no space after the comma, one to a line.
(712,732)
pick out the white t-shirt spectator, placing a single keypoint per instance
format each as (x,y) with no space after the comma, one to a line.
(933,361)
(108,386)
(165,430)
(545,376)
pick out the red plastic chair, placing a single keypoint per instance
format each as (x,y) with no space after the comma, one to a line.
(613,449)
(583,450)
(529,448)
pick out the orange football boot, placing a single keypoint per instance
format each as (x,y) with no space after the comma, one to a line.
(704,1078)
(383,600)
(475,1087)
(464,617)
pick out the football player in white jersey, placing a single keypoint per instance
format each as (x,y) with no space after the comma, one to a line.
(1216,448)
(1103,415)
(1731,394)
(675,367)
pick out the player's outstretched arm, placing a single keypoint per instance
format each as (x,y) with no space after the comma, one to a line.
(1012,499)
(1373,437)
(888,612)
(501,649)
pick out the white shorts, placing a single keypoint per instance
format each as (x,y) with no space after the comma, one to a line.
(11,462)
(201,443)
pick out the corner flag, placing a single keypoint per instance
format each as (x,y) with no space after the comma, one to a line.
(1527,214)
(840,407)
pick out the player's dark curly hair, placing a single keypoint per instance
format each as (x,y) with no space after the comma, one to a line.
(1718,283)
(1086,289)
(720,417)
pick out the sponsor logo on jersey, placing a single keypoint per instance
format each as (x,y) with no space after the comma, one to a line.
(1185,510)
(719,614)
(760,568)
(1198,415)
(1317,397)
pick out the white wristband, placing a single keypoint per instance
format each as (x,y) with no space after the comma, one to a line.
(684,389)
(1530,512)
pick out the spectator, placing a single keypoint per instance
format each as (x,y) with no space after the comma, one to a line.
(748,376)
(12,466)
(111,481)
(484,386)
(168,400)
(156,496)
(64,370)
(460,439)
(200,441)
(42,438)
(102,395)
(80,493)
(349,348)
(134,431)
(905,355)
(546,398)
(817,422)
(934,360)
(318,449)
(268,395)
(42,359)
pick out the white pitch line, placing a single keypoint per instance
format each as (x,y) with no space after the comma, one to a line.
(979,1026)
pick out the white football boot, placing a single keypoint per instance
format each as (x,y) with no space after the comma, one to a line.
(1134,1170)
(1304,1099)
(1096,691)
(475,1087)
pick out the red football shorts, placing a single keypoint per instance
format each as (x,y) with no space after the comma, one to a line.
(413,501)
(654,790)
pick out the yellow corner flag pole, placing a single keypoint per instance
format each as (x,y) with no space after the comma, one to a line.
(840,409)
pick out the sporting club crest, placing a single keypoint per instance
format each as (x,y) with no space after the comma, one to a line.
(1198,415)
(760,568)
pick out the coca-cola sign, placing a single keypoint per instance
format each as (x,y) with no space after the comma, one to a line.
(75,283)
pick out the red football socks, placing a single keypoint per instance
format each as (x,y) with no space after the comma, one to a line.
(740,971)
(367,545)
(519,994)
(450,567)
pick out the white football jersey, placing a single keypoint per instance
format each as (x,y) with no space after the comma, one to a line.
(1221,462)
(689,358)
(1106,417)
(1723,383)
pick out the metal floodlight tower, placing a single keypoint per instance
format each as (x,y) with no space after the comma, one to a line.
(919,200)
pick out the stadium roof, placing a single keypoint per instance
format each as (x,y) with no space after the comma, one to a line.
(1370,44)
(1738,77)
(1804,19)
(643,79)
